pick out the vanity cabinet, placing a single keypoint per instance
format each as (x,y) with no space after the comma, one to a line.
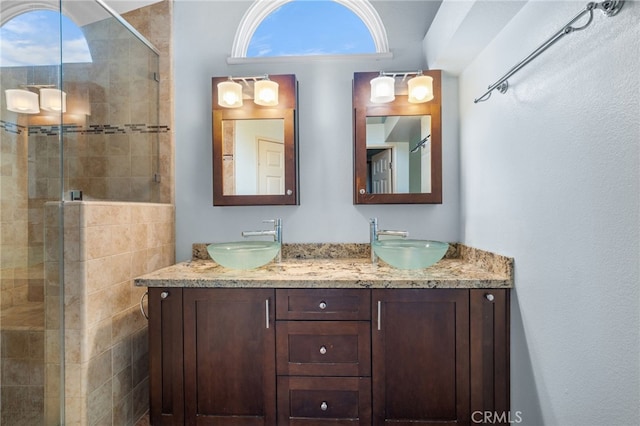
(166,381)
(489,348)
(327,356)
(421,357)
(323,356)
(212,357)
(229,361)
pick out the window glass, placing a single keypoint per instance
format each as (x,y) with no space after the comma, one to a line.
(311,27)
(33,38)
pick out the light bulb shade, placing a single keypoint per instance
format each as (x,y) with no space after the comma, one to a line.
(420,89)
(229,94)
(383,89)
(53,100)
(265,93)
(22,101)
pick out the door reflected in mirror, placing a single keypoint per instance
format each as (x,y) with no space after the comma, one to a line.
(253,157)
(398,154)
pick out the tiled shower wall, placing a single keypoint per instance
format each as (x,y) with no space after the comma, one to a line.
(14,225)
(107,245)
(155,23)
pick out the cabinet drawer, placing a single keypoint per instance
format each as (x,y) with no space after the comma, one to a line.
(324,400)
(323,348)
(323,304)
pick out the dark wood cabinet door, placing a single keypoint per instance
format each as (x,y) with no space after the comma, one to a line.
(229,357)
(420,371)
(490,359)
(166,393)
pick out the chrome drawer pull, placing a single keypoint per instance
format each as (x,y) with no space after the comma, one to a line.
(323,350)
(323,305)
(324,406)
(489,297)
(164,294)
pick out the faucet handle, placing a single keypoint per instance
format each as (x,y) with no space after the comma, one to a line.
(275,222)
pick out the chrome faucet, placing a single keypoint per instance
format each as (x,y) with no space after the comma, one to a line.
(374,233)
(276,233)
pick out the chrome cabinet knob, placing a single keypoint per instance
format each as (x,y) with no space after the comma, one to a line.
(324,406)
(289,192)
(490,297)
(164,294)
(362,192)
(323,350)
(323,305)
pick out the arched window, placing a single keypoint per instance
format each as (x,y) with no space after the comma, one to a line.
(303,27)
(34,38)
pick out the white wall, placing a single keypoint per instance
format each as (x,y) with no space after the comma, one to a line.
(204,34)
(550,176)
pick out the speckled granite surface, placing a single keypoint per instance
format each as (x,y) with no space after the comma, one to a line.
(339,266)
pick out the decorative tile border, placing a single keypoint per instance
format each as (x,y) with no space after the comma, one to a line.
(93,129)
(14,128)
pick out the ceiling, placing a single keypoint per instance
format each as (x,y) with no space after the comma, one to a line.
(406,21)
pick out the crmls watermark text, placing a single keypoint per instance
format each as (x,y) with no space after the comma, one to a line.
(496,417)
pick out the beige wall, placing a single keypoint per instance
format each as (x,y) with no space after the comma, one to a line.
(13,220)
(107,245)
(155,23)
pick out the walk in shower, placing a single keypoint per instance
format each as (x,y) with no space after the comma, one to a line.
(79,120)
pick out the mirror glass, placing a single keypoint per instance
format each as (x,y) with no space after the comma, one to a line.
(397,145)
(398,154)
(253,157)
(255,146)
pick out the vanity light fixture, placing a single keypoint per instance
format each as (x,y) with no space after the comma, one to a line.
(419,88)
(383,89)
(26,102)
(22,101)
(265,91)
(229,94)
(53,100)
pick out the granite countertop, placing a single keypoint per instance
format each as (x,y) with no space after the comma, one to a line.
(338,266)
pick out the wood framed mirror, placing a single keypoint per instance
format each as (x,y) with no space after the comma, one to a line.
(397,145)
(255,146)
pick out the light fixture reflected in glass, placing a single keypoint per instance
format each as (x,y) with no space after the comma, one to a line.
(53,100)
(22,101)
(266,92)
(420,89)
(229,94)
(383,89)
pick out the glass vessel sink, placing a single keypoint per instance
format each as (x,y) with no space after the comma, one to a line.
(243,254)
(410,254)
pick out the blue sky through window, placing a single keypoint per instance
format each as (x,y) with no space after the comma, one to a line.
(311,27)
(33,38)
